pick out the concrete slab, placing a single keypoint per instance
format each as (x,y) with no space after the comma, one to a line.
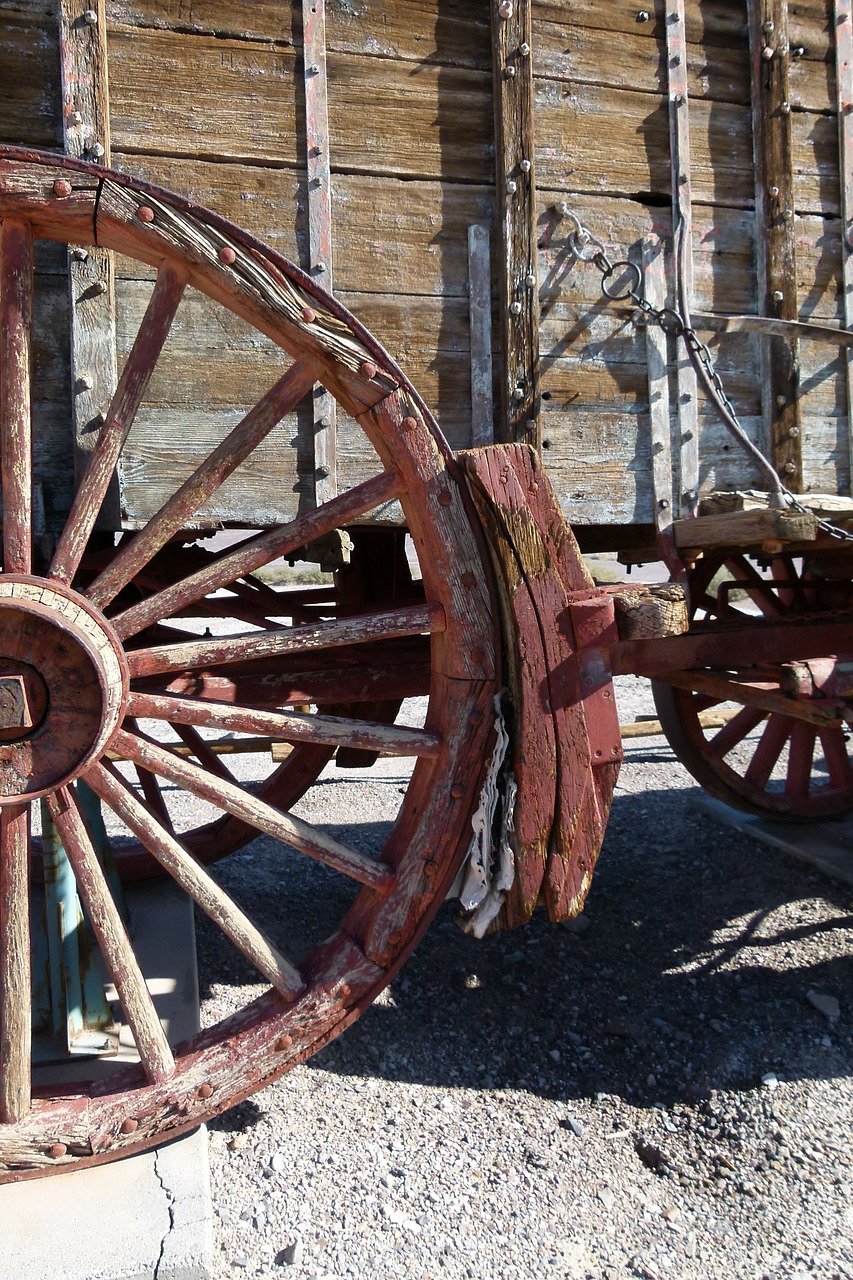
(145,1218)
(825,845)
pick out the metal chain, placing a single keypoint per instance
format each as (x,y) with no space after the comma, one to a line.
(585,247)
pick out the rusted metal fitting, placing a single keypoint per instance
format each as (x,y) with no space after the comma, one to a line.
(62,188)
(227,255)
(145,213)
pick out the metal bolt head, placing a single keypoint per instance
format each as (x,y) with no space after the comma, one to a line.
(531,281)
(778,295)
(57,1150)
(469,580)
(785,108)
(643,15)
(790,467)
(515,308)
(227,255)
(91,17)
(75,117)
(283,1043)
(129,1125)
(505,9)
(313,69)
(518,393)
(97,149)
(767,53)
(410,424)
(774,191)
(84,383)
(62,188)
(444,498)
(663,503)
(308,315)
(320,266)
(511,187)
(794,433)
(768,24)
(457,791)
(205,1090)
(145,213)
(526,166)
(80,255)
(509,72)
(367,369)
(524,49)
(323,471)
(100,286)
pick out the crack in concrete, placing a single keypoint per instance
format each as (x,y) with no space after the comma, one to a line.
(170,1207)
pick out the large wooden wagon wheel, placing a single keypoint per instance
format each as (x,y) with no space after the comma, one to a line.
(783,749)
(92,676)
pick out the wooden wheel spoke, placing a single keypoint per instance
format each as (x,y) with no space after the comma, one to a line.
(16,321)
(152,334)
(769,748)
(202,750)
(154,1052)
(280,400)
(15,979)
(392,740)
(255,552)
(800,756)
(196,882)
(837,757)
(231,798)
(736,730)
(387,624)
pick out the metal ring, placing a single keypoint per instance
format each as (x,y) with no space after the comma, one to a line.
(621,295)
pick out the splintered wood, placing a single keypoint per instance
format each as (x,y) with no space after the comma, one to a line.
(557,628)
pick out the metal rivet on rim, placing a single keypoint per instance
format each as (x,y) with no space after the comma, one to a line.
(62,187)
(444,498)
(145,213)
(410,424)
(129,1126)
(205,1090)
(227,255)
(308,315)
(515,308)
(57,1150)
(367,369)
(469,580)
(283,1043)
(457,791)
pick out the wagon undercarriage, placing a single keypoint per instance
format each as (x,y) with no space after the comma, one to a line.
(184,413)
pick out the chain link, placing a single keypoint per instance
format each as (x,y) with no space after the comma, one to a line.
(585,247)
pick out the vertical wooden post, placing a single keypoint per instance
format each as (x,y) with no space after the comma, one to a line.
(654,289)
(86,136)
(774,230)
(516,215)
(682,218)
(844,79)
(319,223)
(480,314)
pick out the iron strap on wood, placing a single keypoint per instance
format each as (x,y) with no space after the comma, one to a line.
(319,224)
(687,400)
(774,230)
(86,136)
(844,90)
(516,204)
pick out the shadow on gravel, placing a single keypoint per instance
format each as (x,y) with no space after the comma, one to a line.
(691,975)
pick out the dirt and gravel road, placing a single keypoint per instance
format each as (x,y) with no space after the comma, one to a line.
(660,1090)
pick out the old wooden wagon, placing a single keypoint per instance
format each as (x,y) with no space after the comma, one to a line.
(608,251)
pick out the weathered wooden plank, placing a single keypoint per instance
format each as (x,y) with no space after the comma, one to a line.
(745,528)
(774,219)
(16,323)
(15,978)
(29,71)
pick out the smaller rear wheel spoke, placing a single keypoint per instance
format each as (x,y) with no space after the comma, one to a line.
(15,984)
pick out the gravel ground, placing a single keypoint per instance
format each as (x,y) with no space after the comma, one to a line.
(650,1091)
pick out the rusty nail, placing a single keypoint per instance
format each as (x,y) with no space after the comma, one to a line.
(457,791)
(410,424)
(62,187)
(367,369)
(205,1090)
(283,1043)
(308,315)
(145,213)
(227,255)
(129,1126)
(56,1150)
(468,580)
(444,498)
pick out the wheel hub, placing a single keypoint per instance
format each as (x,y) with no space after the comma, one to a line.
(63,681)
